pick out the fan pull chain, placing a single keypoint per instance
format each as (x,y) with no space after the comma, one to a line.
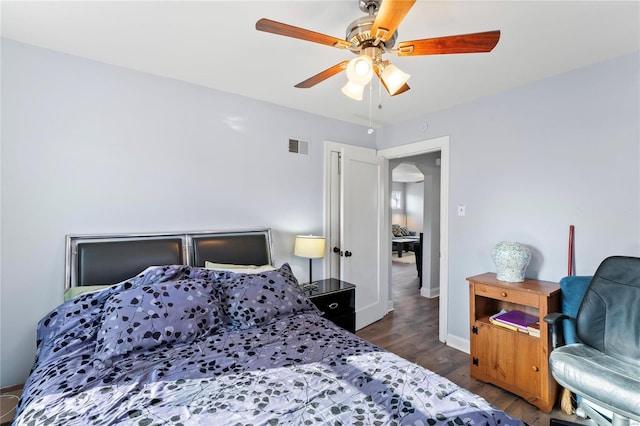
(370,131)
(379,94)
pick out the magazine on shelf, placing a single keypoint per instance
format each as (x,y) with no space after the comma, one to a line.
(514,319)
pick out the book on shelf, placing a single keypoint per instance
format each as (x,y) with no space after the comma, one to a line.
(503,325)
(534,329)
(514,320)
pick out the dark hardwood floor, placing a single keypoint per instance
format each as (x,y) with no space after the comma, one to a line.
(411,331)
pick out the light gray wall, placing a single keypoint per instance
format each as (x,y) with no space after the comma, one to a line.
(91,148)
(431,245)
(531,161)
(414,206)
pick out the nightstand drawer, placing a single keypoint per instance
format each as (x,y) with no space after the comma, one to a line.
(334,304)
(509,295)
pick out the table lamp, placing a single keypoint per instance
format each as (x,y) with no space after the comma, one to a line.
(312,247)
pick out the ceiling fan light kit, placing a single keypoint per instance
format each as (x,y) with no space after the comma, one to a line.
(360,70)
(370,37)
(353,90)
(393,78)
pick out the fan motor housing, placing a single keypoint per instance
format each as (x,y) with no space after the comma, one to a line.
(359,34)
(369,6)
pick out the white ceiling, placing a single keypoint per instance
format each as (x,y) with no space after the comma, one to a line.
(215,44)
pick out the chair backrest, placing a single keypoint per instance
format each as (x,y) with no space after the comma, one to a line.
(572,291)
(609,316)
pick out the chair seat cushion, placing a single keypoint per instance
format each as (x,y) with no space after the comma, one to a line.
(609,382)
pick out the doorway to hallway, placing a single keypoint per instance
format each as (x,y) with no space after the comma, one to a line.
(403,152)
(415,214)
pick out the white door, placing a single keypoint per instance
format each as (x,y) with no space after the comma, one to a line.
(361,210)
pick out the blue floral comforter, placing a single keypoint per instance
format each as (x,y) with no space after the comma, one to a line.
(179,345)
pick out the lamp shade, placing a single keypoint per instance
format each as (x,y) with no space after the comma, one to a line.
(309,246)
(360,70)
(393,78)
(354,91)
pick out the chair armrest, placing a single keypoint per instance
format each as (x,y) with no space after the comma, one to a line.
(554,319)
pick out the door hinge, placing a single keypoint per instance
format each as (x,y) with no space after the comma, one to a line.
(474,360)
(474,329)
(339,163)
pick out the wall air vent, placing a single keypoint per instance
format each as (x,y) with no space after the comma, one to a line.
(298,147)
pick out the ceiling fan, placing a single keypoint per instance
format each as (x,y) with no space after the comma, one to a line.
(370,37)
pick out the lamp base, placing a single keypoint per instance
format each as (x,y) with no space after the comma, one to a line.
(309,286)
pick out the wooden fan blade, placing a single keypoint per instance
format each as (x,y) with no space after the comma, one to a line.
(269,26)
(464,43)
(402,89)
(322,76)
(388,18)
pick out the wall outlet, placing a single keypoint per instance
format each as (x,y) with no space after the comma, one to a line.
(461,210)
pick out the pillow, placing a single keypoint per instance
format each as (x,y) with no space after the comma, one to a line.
(251,300)
(77,291)
(153,314)
(404,231)
(395,230)
(240,269)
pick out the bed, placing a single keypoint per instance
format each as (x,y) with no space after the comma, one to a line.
(234,343)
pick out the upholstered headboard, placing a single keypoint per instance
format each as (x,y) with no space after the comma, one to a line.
(109,259)
(236,248)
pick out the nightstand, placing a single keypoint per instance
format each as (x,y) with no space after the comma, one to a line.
(8,403)
(513,360)
(337,300)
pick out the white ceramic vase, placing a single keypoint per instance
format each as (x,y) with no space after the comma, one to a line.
(511,260)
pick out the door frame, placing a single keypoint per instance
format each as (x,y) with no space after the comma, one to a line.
(424,147)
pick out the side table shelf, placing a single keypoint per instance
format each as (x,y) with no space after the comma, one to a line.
(513,360)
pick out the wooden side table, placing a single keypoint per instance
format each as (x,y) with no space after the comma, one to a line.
(337,300)
(513,360)
(8,402)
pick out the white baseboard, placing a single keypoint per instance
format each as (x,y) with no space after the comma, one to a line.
(458,343)
(389,305)
(429,293)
